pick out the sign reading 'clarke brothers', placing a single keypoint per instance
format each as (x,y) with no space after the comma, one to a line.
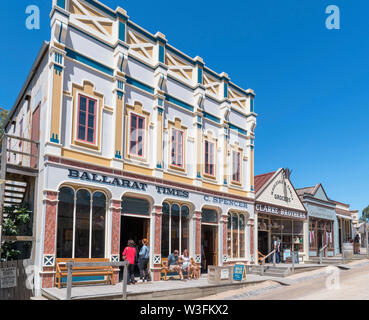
(279,211)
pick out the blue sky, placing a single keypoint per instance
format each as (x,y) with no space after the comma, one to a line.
(311,83)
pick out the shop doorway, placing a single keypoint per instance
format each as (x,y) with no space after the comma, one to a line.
(320,240)
(136,229)
(263,246)
(209,246)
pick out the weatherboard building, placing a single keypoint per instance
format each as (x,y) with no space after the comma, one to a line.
(133,139)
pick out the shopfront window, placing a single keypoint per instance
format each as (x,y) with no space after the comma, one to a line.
(135,206)
(236,235)
(89,213)
(209,216)
(65,223)
(175,228)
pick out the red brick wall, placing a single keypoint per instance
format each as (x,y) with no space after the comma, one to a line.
(51,206)
(115,236)
(157,240)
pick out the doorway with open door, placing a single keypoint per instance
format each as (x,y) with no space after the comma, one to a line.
(209,239)
(135,225)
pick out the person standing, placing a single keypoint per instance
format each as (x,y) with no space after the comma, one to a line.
(143,259)
(129,254)
(276,247)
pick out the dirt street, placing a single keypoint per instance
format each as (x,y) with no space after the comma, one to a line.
(330,283)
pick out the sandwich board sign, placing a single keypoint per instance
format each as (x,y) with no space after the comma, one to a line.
(239,272)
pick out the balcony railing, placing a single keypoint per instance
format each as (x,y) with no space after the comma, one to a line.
(19,152)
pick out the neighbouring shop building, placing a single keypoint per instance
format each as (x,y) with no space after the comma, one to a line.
(322,221)
(136,140)
(279,214)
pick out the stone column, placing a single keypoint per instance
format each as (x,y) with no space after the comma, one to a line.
(158,214)
(48,261)
(256,240)
(250,225)
(115,234)
(224,222)
(197,215)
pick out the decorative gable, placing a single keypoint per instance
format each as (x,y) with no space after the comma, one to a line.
(279,191)
(320,194)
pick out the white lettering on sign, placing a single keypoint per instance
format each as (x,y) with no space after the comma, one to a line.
(280,212)
(8,277)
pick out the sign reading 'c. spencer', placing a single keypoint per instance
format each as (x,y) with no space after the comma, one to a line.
(279,211)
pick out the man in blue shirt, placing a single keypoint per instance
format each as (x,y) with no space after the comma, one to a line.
(173,263)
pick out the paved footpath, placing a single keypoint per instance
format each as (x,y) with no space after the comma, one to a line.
(330,283)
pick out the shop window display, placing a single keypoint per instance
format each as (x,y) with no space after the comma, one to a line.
(89,213)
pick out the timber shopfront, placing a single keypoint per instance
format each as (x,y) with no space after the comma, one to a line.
(97,212)
(279,214)
(323,226)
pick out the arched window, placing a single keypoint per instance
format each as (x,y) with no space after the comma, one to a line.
(236,240)
(82,235)
(88,212)
(98,224)
(64,242)
(175,228)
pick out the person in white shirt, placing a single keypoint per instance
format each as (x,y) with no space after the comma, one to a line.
(186,263)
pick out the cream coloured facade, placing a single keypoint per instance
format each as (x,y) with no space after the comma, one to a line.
(127,121)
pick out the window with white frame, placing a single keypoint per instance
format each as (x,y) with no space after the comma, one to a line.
(236,166)
(137,135)
(176,153)
(81,224)
(209,158)
(236,240)
(175,228)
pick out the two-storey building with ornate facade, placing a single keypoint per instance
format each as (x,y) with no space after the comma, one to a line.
(136,140)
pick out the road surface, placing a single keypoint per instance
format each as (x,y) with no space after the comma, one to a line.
(330,283)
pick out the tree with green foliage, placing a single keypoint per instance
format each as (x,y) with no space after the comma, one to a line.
(16,222)
(3,115)
(365,215)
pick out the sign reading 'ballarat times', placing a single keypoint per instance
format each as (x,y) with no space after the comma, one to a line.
(8,278)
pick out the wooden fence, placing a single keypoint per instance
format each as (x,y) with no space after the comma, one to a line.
(20,291)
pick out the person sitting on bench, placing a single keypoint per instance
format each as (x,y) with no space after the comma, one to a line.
(186,265)
(173,263)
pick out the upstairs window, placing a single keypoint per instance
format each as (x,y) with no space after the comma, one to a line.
(137,131)
(236,166)
(87,119)
(209,158)
(177,148)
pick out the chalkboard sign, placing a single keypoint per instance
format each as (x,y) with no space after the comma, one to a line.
(8,278)
(239,272)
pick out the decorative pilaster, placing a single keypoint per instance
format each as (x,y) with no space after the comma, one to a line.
(251,225)
(156,262)
(51,208)
(115,233)
(256,223)
(197,217)
(224,222)
(59,26)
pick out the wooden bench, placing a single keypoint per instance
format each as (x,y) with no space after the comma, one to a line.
(165,272)
(62,271)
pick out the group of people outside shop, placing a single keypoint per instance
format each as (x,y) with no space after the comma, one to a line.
(139,258)
(183,263)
